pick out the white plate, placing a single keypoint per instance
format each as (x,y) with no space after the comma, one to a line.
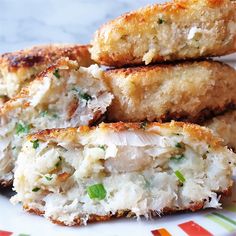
(203,223)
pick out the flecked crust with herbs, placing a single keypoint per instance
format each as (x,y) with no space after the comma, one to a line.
(17,69)
(188,91)
(181,29)
(72,139)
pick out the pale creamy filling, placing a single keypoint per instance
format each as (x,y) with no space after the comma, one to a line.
(172,39)
(139,178)
(54,103)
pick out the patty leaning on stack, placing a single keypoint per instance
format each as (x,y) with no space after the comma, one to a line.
(17,69)
(74,176)
(64,95)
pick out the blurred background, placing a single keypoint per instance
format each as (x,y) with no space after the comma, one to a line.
(24,23)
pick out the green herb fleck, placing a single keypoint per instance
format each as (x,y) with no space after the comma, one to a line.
(13,148)
(48,178)
(96,191)
(180,176)
(35,143)
(36,189)
(55,116)
(103,147)
(177,158)
(22,128)
(178,145)
(160,21)
(56,73)
(59,162)
(85,96)
(147,183)
(74,89)
(143,124)
(43,113)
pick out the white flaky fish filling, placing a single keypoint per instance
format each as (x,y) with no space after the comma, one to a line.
(135,171)
(64,98)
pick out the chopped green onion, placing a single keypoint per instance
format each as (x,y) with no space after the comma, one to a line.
(35,143)
(56,73)
(59,162)
(96,191)
(48,178)
(74,89)
(22,128)
(103,147)
(178,145)
(43,113)
(82,95)
(55,116)
(36,189)
(160,21)
(147,183)
(143,124)
(85,96)
(180,176)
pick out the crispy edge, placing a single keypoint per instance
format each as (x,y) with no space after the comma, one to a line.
(195,206)
(45,54)
(133,70)
(195,131)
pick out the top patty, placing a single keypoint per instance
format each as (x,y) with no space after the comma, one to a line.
(182,29)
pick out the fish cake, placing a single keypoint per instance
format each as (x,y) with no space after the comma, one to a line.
(178,30)
(64,95)
(76,176)
(17,69)
(225,127)
(188,91)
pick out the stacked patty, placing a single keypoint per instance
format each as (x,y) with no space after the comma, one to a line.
(76,173)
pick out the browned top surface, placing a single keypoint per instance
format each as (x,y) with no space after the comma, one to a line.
(40,55)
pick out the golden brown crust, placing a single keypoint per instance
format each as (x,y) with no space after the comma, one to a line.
(187,91)
(45,55)
(194,131)
(195,206)
(126,40)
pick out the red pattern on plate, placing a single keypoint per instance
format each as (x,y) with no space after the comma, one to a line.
(191,228)
(160,232)
(5,233)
